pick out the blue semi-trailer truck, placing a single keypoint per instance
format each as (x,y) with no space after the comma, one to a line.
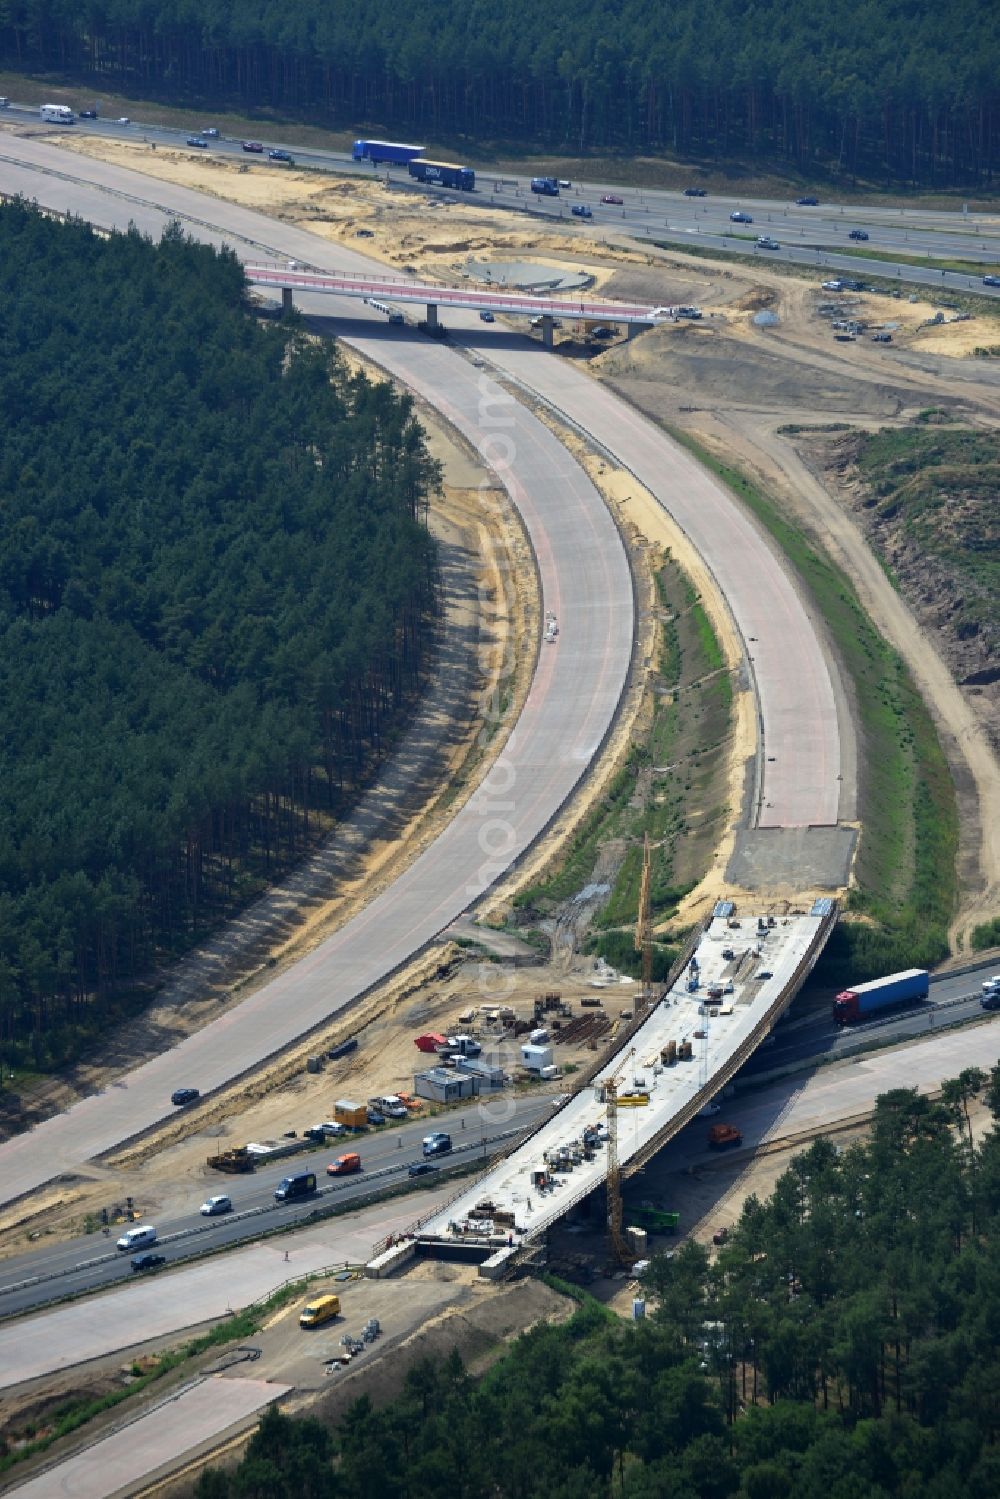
(393,151)
(863,1000)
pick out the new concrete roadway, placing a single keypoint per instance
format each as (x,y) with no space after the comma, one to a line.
(577,685)
(578,680)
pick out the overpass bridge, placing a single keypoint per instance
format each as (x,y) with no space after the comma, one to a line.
(407,289)
(677,1055)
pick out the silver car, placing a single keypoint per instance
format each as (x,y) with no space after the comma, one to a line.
(213,1206)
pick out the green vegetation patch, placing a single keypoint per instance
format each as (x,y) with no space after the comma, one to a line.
(670,787)
(940,485)
(840,1345)
(215,590)
(905,866)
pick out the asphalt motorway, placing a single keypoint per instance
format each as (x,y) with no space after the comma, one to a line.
(91,1262)
(799,1037)
(807,235)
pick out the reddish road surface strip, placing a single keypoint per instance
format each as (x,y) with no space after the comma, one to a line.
(576,689)
(179,1424)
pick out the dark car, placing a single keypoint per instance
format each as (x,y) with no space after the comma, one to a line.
(196,140)
(739,217)
(991,280)
(181,1096)
(281,156)
(88,114)
(256,146)
(611,198)
(765,973)
(421,1168)
(807,202)
(375,1117)
(486,316)
(881,338)
(148,1261)
(582,211)
(694,192)
(858,234)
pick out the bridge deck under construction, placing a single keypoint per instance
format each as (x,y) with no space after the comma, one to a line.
(759,966)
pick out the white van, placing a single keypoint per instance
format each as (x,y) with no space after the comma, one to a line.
(138,1238)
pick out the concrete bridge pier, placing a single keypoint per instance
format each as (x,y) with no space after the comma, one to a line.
(633,329)
(286,301)
(548,331)
(432,315)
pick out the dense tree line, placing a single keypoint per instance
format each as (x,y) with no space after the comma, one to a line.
(215,582)
(843,1345)
(909,92)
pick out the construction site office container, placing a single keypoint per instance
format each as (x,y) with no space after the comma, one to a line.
(441,1086)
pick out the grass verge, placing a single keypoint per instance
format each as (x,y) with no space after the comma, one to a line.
(669,787)
(897,916)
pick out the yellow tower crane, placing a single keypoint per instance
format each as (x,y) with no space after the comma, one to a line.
(619,1245)
(644,930)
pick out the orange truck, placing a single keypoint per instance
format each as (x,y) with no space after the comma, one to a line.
(721,1135)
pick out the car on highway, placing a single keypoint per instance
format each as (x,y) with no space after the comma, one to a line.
(582,211)
(990,1001)
(345,1165)
(421,1168)
(196,140)
(486,316)
(182,1096)
(124,120)
(88,114)
(257,147)
(140,1236)
(765,242)
(765,973)
(565,182)
(694,192)
(612,198)
(437,1143)
(279,155)
(807,202)
(991,280)
(147,1261)
(739,217)
(213,1206)
(210,131)
(858,234)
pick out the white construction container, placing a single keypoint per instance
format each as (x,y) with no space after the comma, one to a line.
(534,1058)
